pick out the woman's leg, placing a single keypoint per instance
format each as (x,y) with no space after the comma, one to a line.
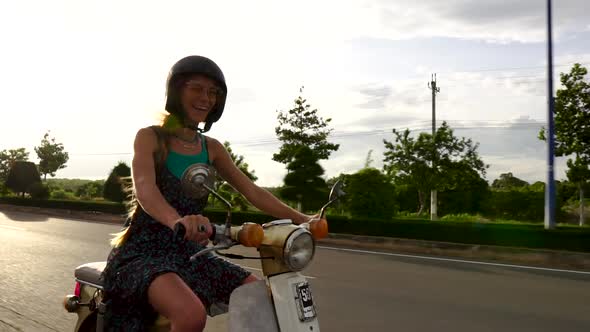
(172,298)
(249,279)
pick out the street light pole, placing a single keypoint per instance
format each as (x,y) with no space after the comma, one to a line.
(550,186)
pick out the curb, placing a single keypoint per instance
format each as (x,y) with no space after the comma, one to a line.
(507,255)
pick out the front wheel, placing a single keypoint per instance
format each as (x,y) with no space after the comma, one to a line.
(89,325)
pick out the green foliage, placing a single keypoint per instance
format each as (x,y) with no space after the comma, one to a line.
(21,176)
(115,187)
(76,205)
(578,171)
(467,195)
(507,181)
(299,127)
(74,185)
(303,182)
(512,235)
(461,217)
(62,195)
(519,205)
(409,161)
(52,156)
(572,132)
(370,194)
(8,157)
(39,190)
(572,115)
(537,186)
(90,190)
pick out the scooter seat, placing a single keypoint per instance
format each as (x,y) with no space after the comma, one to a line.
(90,272)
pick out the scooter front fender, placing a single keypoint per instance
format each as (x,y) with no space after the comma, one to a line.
(251,309)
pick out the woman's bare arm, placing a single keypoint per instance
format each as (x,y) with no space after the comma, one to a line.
(259,197)
(144,179)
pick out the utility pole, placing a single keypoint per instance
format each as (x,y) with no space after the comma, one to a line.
(433,199)
(550,186)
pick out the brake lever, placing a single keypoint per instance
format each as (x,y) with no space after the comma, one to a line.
(214,248)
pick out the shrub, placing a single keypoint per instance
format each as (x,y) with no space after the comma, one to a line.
(115,187)
(39,190)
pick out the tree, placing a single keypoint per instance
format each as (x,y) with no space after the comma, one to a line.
(468,193)
(22,176)
(227,191)
(7,159)
(299,127)
(90,189)
(409,161)
(578,172)
(115,187)
(303,182)
(507,181)
(572,116)
(52,156)
(370,194)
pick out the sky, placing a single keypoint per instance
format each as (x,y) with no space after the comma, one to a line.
(93,73)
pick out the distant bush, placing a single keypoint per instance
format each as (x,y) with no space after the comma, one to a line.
(461,217)
(61,194)
(114,187)
(39,190)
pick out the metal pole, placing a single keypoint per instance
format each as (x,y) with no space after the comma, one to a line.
(433,192)
(550,186)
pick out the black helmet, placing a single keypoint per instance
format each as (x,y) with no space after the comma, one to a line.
(186,67)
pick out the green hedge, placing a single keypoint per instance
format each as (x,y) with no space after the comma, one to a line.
(105,207)
(483,233)
(512,235)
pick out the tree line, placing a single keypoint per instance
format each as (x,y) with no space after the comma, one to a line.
(401,186)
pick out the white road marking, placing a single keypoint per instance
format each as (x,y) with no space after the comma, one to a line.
(456,260)
(260,270)
(12,227)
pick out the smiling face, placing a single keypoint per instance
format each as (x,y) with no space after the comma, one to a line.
(198,97)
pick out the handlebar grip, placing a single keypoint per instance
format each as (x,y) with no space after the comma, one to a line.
(179,231)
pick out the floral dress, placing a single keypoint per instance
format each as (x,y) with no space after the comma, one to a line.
(152,250)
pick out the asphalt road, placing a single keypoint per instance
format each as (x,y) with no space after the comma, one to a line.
(354,291)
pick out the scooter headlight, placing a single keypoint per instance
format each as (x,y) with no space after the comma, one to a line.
(299,250)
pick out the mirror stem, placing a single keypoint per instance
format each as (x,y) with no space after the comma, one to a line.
(228,218)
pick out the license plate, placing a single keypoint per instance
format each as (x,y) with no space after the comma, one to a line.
(304,301)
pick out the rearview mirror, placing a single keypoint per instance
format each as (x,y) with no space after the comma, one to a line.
(197,180)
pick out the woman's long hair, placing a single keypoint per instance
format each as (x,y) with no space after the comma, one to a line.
(168,125)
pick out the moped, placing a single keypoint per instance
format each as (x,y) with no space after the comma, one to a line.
(281,301)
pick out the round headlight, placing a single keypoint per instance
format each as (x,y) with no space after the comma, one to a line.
(299,250)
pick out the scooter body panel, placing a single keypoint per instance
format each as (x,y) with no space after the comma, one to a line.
(251,309)
(294,306)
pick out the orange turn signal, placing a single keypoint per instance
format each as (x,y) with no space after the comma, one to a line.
(318,228)
(251,235)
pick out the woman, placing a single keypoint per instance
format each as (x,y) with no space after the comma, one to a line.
(148,272)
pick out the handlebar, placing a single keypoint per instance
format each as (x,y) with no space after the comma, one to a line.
(249,234)
(180,232)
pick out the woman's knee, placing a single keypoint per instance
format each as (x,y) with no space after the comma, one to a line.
(172,298)
(249,279)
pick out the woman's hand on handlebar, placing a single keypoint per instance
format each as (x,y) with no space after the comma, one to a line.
(198,228)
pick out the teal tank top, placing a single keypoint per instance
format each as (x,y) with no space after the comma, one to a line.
(177,163)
